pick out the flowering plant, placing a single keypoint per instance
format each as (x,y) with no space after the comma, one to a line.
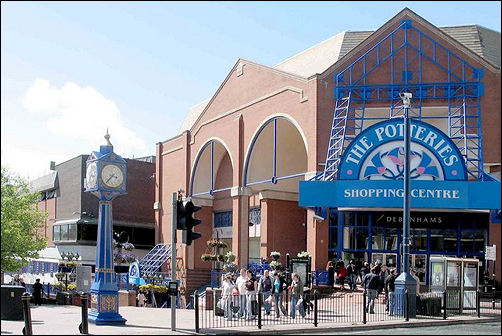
(71,264)
(230,257)
(216,243)
(303,254)
(275,265)
(209,257)
(275,254)
(128,246)
(230,268)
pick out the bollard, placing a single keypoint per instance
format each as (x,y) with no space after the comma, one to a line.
(196,307)
(316,298)
(444,305)
(406,302)
(493,295)
(27,330)
(364,306)
(478,303)
(84,326)
(259,310)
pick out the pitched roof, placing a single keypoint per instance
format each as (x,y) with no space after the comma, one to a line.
(317,59)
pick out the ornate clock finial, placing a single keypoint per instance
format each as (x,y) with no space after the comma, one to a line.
(107,137)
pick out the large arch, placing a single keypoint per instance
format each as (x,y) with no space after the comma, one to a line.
(212,156)
(276,156)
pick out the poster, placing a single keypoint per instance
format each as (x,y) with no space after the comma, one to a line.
(437,274)
(453,270)
(470,275)
(301,270)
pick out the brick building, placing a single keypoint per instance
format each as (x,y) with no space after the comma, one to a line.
(241,154)
(71,225)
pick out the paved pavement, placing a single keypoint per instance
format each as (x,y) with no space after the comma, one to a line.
(64,320)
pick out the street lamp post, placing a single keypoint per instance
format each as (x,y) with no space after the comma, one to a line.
(405,283)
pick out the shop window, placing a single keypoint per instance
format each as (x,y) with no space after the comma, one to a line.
(378,234)
(480,241)
(349,219)
(450,240)
(420,239)
(466,241)
(333,230)
(361,238)
(391,239)
(437,240)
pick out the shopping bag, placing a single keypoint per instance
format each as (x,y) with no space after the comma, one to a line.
(221,303)
(299,304)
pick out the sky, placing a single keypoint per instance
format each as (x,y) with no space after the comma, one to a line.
(69,70)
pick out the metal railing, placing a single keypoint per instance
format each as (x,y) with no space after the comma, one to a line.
(213,311)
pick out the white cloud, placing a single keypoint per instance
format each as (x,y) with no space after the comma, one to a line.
(81,113)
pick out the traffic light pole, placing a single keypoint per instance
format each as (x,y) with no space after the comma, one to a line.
(173,260)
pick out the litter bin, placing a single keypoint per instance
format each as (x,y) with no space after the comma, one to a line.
(12,306)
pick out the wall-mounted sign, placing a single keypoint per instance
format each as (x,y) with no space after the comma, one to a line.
(378,154)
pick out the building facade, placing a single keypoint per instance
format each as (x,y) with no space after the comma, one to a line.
(72,215)
(241,154)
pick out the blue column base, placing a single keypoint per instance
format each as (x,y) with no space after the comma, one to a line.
(405,282)
(106,318)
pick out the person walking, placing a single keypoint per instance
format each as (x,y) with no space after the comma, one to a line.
(141,299)
(226,295)
(371,283)
(37,292)
(265,289)
(331,273)
(352,274)
(240,284)
(250,294)
(277,291)
(389,290)
(341,273)
(296,295)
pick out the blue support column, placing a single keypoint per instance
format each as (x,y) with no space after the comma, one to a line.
(104,290)
(340,233)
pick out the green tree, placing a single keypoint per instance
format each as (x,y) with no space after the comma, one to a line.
(20,221)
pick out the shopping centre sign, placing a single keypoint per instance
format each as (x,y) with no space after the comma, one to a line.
(372,167)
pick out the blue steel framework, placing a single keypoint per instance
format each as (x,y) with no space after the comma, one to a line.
(406,49)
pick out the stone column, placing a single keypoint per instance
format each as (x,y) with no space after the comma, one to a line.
(317,240)
(240,224)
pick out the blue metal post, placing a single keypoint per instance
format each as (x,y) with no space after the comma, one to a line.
(405,284)
(104,290)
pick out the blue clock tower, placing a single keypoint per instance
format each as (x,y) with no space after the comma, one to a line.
(106,177)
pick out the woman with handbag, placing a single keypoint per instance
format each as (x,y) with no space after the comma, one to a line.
(227,295)
(296,296)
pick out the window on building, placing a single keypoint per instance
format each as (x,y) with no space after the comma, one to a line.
(333,231)
(355,231)
(450,240)
(56,233)
(144,237)
(224,219)
(64,232)
(378,234)
(419,239)
(254,216)
(391,239)
(437,240)
(72,231)
(480,241)
(87,232)
(466,241)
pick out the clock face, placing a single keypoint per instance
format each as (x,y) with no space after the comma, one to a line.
(112,176)
(92,175)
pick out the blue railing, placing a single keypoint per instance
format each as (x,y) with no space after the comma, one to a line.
(258,269)
(321,277)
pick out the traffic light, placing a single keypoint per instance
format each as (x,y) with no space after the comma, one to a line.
(186,222)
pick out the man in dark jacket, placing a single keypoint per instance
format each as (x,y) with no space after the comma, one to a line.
(37,292)
(277,291)
(389,290)
(371,283)
(265,289)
